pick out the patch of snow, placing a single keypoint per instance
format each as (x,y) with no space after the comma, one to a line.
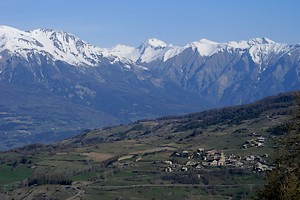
(261,52)
(148,51)
(24,132)
(259,41)
(127,66)
(172,52)
(238,45)
(154,42)
(205,47)
(83,91)
(152,49)
(125,51)
(143,68)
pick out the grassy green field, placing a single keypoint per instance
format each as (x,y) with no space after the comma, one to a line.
(171,192)
(9,175)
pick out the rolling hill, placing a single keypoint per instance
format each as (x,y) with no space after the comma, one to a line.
(170,157)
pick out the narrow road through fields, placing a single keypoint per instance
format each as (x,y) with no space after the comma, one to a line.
(109,187)
(79,187)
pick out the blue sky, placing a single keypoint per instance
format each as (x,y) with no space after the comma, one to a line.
(106,23)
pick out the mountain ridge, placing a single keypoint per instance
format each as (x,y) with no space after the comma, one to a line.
(204,46)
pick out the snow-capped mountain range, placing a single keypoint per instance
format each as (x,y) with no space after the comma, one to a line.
(153,49)
(54,76)
(66,47)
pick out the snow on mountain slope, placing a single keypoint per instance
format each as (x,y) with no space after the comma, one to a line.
(260,49)
(205,47)
(59,45)
(152,49)
(126,51)
(148,51)
(261,53)
(69,48)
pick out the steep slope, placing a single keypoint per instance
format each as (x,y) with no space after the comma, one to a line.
(233,72)
(225,73)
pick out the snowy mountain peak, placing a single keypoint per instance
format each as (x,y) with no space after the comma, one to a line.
(205,47)
(154,43)
(262,40)
(8,29)
(206,41)
(125,51)
(50,33)
(148,51)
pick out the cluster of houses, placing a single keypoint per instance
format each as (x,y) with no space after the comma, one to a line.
(200,159)
(256,142)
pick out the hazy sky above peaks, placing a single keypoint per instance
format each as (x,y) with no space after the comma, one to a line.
(106,23)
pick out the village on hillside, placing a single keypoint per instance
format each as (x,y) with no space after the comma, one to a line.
(202,158)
